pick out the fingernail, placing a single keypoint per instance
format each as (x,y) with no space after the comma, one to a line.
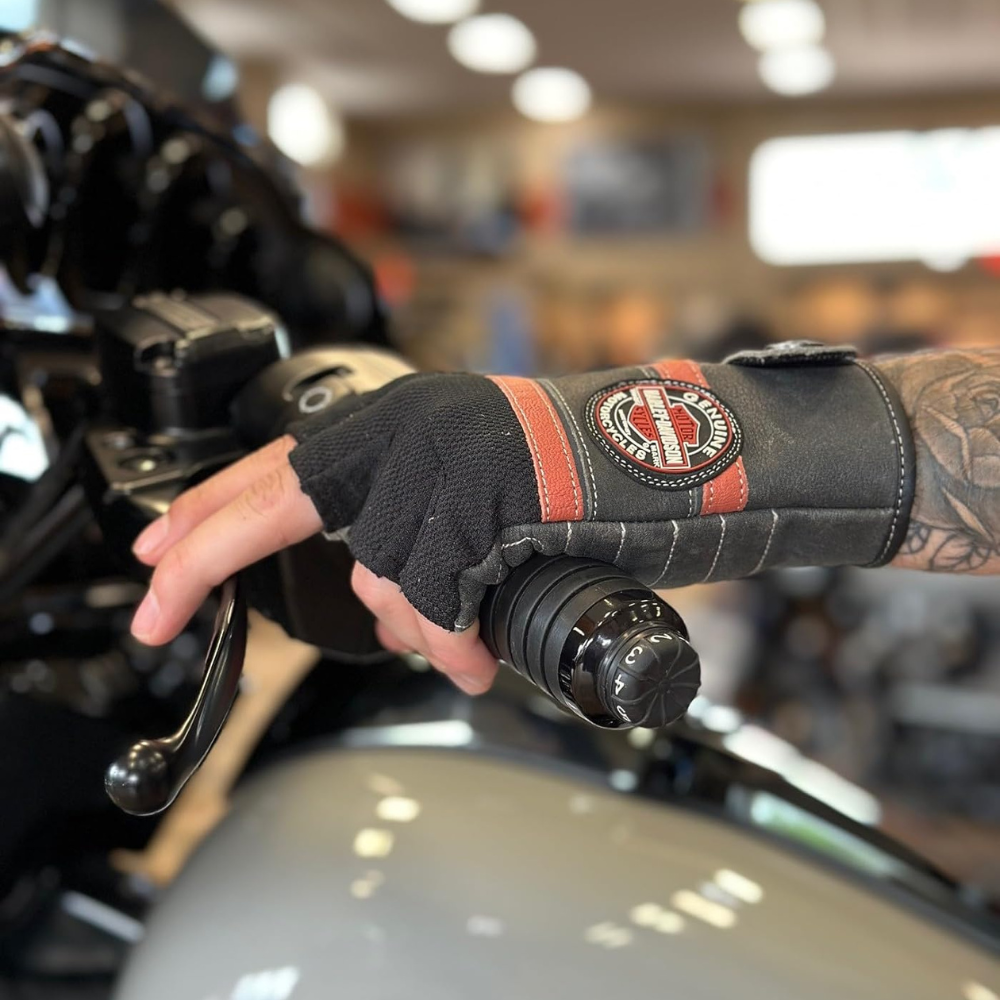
(145,616)
(470,684)
(152,536)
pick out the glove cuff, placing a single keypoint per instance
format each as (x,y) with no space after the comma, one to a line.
(799,455)
(841,423)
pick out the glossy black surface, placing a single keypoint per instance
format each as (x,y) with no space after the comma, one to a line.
(634,661)
(139,203)
(172,363)
(24,190)
(598,643)
(151,773)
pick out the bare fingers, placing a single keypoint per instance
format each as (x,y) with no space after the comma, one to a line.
(268,515)
(200,502)
(249,511)
(461,656)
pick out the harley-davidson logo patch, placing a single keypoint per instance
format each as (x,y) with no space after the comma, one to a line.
(668,434)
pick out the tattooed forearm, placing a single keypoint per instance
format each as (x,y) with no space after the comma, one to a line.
(953,401)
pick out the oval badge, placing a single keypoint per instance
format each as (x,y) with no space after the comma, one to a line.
(668,434)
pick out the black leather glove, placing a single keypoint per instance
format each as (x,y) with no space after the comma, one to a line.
(675,472)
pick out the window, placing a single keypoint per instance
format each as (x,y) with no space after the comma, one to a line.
(885,196)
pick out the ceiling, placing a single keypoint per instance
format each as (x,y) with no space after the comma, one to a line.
(370,61)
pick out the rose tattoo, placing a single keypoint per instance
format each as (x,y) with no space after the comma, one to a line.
(954,406)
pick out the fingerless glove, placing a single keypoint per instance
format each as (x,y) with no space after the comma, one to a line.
(676,472)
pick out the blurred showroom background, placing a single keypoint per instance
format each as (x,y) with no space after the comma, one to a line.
(554,185)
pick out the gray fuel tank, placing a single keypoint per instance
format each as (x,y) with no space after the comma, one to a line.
(430,875)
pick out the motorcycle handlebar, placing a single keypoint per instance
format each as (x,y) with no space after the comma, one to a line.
(597,642)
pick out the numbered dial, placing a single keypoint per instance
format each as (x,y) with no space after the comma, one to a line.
(634,662)
(651,681)
(600,644)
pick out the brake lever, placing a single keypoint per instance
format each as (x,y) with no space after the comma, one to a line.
(151,773)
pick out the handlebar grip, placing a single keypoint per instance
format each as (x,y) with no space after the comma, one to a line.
(599,643)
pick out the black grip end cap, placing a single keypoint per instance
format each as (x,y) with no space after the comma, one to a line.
(651,680)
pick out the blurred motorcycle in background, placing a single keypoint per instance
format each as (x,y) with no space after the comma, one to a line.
(165,309)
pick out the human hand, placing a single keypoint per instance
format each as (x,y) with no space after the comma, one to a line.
(251,510)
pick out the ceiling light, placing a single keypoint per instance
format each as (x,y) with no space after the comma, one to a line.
(798,71)
(946,263)
(397,809)
(739,886)
(302,126)
(492,43)
(695,905)
(773,24)
(435,11)
(372,843)
(656,918)
(551,94)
